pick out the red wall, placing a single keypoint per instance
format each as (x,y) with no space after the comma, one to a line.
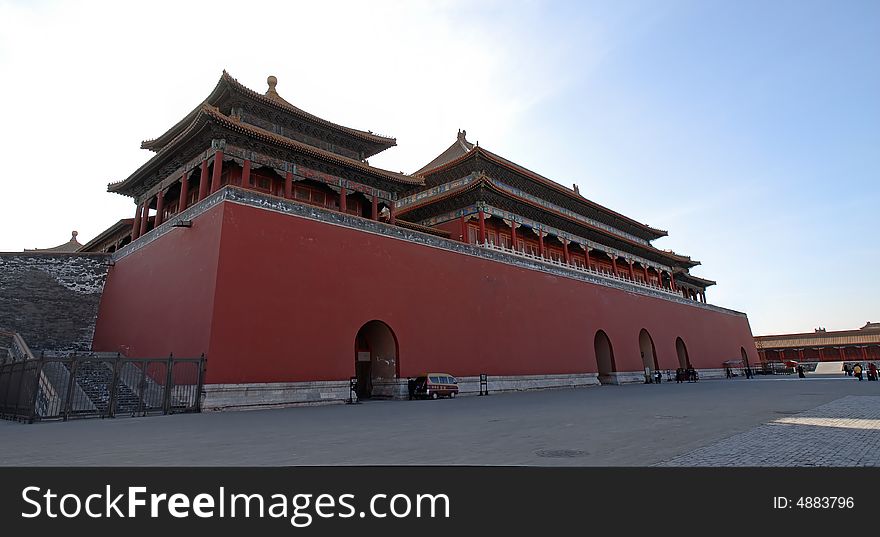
(159,299)
(292,294)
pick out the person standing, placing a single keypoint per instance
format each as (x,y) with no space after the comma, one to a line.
(857,371)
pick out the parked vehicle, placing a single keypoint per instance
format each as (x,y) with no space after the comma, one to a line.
(433,386)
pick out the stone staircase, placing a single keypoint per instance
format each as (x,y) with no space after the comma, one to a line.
(94,378)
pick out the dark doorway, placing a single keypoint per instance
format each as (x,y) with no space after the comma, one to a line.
(649,356)
(604,357)
(375,357)
(745,357)
(684,360)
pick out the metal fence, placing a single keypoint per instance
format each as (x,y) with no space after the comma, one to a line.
(99,386)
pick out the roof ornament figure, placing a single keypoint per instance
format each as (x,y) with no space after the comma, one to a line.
(272,81)
(68,247)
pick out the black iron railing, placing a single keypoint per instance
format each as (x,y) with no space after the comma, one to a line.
(99,385)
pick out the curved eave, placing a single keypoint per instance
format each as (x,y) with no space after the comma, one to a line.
(488,184)
(301,147)
(652,233)
(696,279)
(195,126)
(228,83)
(122,225)
(208,114)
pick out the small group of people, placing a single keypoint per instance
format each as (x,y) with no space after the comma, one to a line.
(689,374)
(856,370)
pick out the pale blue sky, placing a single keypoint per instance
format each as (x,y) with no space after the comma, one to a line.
(748,130)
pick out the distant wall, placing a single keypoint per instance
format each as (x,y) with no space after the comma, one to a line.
(52,299)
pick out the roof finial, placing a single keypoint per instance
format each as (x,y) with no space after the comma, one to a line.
(73,236)
(272,81)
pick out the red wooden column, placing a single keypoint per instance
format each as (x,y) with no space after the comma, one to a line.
(672,282)
(203,181)
(820,354)
(245,173)
(865,353)
(482,227)
(160,206)
(392,213)
(464,232)
(842,354)
(800,355)
(587,257)
(218,169)
(660,278)
(145,216)
(541,243)
(565,252)
(136,225)
(614,263)
(374,214)
(632,274)
(184,193)
(342,202)
(288,185)
(513,235)
(645,270)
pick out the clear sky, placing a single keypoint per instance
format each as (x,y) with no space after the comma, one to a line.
(749,130)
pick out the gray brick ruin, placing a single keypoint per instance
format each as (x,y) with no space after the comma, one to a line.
(52,299)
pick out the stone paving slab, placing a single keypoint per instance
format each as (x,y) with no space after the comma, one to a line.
(631,425)
(844,432)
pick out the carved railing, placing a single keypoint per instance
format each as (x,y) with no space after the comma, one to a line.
(99,385)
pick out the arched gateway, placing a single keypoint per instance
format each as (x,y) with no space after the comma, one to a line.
(604,358)
(646,346)
(684,361)
(745,357)
(375,360)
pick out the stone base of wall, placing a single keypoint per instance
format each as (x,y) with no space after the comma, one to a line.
(624,377)
(471,385)
(712,373)
(274,394)
(282,394)
(397,389)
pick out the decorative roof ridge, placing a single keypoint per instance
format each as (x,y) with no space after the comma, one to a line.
(482,180)
(279,102)
(648,247)
(70,246)
(211,112)
(460,146)
(306,148)
(575,196)
(275,99)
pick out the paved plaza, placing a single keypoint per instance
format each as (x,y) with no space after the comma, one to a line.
(777,421)
(845,432)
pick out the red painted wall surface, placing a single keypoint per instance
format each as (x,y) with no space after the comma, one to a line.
(292,294)
(159,299)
